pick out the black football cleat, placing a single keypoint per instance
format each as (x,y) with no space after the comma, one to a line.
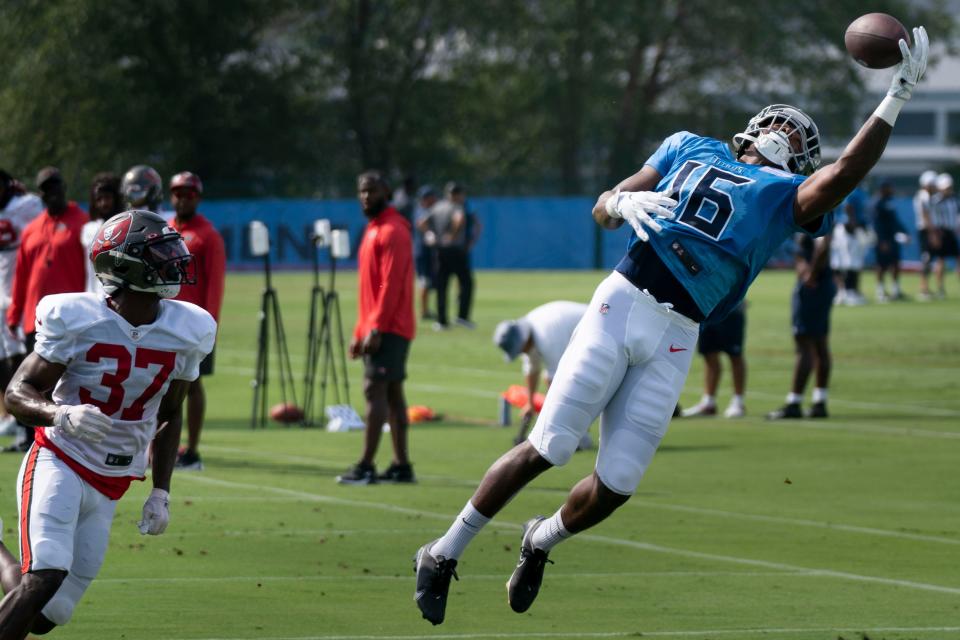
(817,410)
(789,411)
(359,474)
(433,582)
(399,474)
(524,584)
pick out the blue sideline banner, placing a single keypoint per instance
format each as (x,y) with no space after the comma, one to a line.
(518,233)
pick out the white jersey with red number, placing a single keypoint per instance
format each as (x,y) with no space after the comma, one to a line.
(14,218)
(122,369)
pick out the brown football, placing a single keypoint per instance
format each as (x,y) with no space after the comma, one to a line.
(286,412)
(873,40)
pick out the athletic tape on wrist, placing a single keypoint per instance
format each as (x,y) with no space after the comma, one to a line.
(889,109)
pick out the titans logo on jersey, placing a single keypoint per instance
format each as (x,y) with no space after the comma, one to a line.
(730,218)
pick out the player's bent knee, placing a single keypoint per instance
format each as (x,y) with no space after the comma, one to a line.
(558,432)
(40,586)
(621,466)
(621,477)
(59,609)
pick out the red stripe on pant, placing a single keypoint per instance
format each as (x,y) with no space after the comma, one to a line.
(26,556)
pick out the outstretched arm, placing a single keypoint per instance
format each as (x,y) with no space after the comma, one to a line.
(824,190)
(831,184)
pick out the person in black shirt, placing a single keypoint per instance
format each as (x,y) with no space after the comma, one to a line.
(890,233)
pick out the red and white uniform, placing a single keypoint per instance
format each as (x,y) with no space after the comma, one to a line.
(19,212)
(68,488)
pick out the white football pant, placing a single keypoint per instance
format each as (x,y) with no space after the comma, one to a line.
(847,250)
(64,524)
(626,362)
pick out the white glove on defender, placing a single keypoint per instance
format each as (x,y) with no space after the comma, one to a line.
(83,421)
(638,209)
(914,63)
(156,513)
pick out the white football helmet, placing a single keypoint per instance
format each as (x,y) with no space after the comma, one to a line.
(774,132)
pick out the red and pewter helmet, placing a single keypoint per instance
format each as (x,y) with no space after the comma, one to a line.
(137,250)
(142,188)
(186,180)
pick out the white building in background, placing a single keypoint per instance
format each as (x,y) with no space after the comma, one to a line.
(927,135)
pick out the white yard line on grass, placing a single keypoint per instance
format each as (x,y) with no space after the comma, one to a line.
(640,502)
(637,633)
(496,577)
(840,426)
(910,584)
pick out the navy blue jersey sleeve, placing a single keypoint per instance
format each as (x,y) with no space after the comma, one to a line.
(664,157)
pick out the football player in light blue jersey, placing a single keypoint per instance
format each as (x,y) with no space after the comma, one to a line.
(706,220)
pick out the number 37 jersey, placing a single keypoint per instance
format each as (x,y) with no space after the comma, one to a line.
(730,218)
(121,369)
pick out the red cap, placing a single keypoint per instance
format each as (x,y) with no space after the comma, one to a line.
(186,179)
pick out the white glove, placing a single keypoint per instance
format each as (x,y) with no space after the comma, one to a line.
(83,421)
(156,513)
(638,209)
(914,63)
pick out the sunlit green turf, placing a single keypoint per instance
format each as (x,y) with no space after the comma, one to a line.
(848,527)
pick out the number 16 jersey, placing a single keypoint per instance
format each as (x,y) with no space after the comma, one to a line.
(122,369)
(730,218)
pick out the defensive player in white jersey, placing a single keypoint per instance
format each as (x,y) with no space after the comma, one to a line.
(17,209)
(706,221)
(118,366)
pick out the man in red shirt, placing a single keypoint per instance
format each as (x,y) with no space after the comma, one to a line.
(206,245)
(51,259)
(384,329)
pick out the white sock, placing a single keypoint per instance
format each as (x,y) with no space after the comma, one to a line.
(736,400)
(794,398)
(819,394)
(550,533)
(708,400)
(895,287)
(461,532)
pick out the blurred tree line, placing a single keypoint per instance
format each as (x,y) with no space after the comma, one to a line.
(293,98)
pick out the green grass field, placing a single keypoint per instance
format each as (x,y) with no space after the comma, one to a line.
(845,528)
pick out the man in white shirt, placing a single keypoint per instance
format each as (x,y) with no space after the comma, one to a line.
(921,210)
(943,232)
(540,337)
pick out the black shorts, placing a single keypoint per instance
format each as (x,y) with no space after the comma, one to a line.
(948,245)
(725,336)
(811,308)
(888,253)
(426,266)
(923,241)
(206,365)
(390,361)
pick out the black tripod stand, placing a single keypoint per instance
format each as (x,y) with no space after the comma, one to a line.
(270,318)
(320,345)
